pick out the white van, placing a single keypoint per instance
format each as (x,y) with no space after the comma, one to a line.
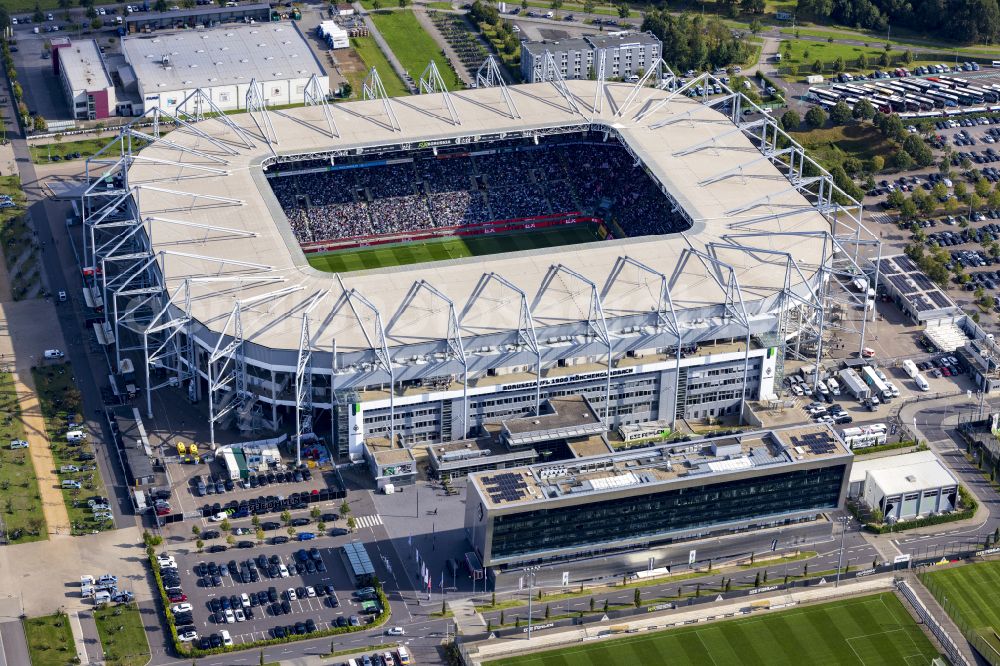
(922,383)
(76,436)
(70,484)
(102,597)
(53,354)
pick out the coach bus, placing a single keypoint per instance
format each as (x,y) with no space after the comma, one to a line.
(946,98)
(881,103)
(986,95)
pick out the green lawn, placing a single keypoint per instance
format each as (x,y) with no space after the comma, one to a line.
(832,145)
(20,503)
(969,594)
(61,402)
(865,631)
(86,147)
(122,635)
(879,40)
(372,56)
(413,45)
(50,640)
(11,186)
(449,248)
(805,52)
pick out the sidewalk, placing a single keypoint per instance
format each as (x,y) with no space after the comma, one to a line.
(505,647)
(939,614)
(78,639)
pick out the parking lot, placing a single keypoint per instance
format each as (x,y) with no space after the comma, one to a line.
(311,586)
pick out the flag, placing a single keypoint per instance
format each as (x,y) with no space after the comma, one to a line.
(409,541)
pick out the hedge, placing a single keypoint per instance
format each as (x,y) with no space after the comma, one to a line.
(887,447)
(967,500)
(188,649)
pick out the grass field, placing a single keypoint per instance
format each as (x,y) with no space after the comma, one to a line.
(413,45)
(122,635)
(50,640)
(86,147)
(969,594)
(866,631)
(20,501)
(879,40)
(372,56)
(449,248)
(61,402)
(831,146)
(806,52)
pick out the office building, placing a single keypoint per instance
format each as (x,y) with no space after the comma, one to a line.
(626,54)
(85,82)
(658,494)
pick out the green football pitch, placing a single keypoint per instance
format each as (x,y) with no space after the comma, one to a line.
(864,631)
(969,594)
(401,254)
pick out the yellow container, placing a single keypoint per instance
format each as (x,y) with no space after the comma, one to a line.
(193,448)
(181,448)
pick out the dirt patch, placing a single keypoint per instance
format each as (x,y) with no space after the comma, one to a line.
(53,505)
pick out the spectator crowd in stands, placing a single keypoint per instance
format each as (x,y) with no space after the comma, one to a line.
(599,179)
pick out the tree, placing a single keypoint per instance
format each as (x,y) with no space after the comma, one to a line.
(961,190)
(907,57)
(878,163)
(225,525)
(187,4)
(840,113)
(815,117)
(345,508)
(290,531)
(230,539)
(884,60)
(863,110)
(315,513)
(790,120)
(908,210)
(753,7)
(588,6)
(624,11)
(321,526)
(817,66)
(160,6)
(95,23)
(839,65)
(548,612)
(402,4)
(918,150)
(286,516)
(65,4)
(862,61)
(975,202)
(524,5)
(901,160)
(895,199)
(637,597)
(756,580)
(592,604)
(756,27)
(38,16)
(199,544)
(994,198)
(982,187)
(195,530)
(260,535)
(351,523)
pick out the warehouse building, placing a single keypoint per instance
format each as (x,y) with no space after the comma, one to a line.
(85,82)
(626,54)
(222,61)
(197,17)
(659,494)
(905,487)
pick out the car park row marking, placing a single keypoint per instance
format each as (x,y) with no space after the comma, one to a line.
(369,521)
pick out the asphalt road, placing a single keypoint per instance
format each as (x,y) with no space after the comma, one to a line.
(13,645)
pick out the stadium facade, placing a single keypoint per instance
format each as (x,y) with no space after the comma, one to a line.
(658,494)
(204,285)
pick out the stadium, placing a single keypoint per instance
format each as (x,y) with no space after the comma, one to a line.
(407,270)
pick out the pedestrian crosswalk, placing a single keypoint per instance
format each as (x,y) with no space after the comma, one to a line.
(882,218)
(368,521)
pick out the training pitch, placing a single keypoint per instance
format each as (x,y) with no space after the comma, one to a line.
(969,595)
(865,631)
(401,254)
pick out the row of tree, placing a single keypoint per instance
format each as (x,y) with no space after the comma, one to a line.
(963,21)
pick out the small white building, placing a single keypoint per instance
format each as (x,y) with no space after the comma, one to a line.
(334,35)
(906,486)
(222,61)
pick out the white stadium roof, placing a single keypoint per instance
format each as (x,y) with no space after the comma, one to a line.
(175,178)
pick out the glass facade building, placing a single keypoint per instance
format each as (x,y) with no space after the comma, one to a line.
(658,515)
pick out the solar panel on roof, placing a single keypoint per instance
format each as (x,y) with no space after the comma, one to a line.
(905,263)
(922,281)
(939,299)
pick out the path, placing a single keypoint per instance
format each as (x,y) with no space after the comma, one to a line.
(456,62)
(78,638)
(53,506)
(939,614)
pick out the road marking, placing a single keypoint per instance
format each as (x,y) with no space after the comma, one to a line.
(368,521)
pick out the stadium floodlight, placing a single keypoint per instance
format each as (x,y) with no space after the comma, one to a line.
(489,76)
(431,82)
(372,89)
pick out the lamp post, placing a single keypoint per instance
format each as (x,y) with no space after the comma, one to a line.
(840,562)
(530,571)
